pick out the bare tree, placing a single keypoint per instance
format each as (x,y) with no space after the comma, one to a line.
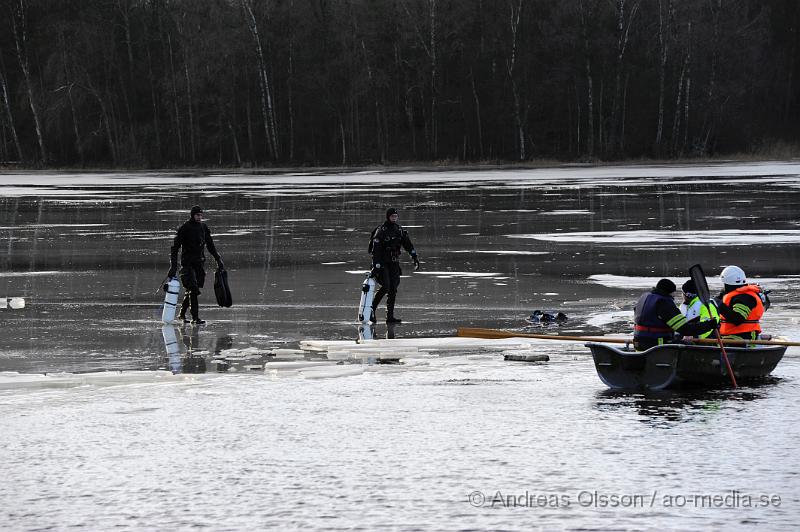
(20,31)
(623,32)
(682,98)
(663,41)
(586,13)
(267,107)
(67,87)
(7,105)
(511,64)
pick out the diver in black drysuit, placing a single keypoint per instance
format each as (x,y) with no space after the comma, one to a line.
(192,238)
(387,244)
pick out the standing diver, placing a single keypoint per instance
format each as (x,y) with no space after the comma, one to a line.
(388,241)
(192,238)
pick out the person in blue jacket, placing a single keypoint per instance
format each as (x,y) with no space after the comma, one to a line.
(657,318)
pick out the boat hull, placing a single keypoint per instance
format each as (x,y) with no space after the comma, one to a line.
(674,365)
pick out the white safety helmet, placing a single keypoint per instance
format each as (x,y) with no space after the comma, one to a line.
(733,275)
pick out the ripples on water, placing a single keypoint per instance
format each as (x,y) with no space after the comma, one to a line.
(397,446)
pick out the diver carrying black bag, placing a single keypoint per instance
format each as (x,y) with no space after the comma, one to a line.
(221,288)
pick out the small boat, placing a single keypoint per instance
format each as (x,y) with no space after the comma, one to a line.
(675,365)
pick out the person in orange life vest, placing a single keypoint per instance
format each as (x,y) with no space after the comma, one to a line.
(741,305)
(657,318)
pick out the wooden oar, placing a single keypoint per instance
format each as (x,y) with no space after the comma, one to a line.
(472,332)
(699,278)
(496,334)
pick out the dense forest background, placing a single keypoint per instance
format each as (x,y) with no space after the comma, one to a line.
(246,82)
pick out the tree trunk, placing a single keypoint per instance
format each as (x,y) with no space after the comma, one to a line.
(176,108)
(236,153)
(434,135)
(20,40)
(428,44)
(709,120)
(790,95)
(290,97)
(663,42)
(154,104)
(687,94)
(190,107)
(250,142)
(377,105)
(125,12)
(577,119)
(267,109)
(344,143)
(623,31)
(510,66)
(589,81)
(7,105)
(104,112)
(477,114)
(676,122)
(69,85)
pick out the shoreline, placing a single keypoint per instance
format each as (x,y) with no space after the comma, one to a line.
(419,166)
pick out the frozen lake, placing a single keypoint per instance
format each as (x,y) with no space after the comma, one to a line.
(384,446)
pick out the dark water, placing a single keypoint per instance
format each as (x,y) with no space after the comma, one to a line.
(403,449)
(89,259)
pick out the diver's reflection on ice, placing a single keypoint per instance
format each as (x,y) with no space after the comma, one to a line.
(175,341)
(367,332)
(676,405)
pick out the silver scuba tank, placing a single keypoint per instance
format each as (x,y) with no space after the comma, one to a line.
(171,289)
(367,295)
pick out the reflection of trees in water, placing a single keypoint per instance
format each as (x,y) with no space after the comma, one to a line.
(663,408)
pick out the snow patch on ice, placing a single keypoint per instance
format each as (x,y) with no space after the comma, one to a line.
(720,237)
(500,252)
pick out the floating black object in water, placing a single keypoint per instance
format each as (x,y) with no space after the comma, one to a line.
(546,317)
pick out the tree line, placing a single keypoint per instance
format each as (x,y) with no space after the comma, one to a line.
(319,82)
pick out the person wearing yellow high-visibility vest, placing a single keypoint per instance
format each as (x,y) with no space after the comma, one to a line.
(694,310)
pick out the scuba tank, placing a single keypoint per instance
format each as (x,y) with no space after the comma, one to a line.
(367,294)
(173,348)
(171,289)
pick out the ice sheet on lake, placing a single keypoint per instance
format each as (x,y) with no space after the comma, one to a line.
(295,183)
(607,318)
(653,238)
(39,273)
(499,252)
(445,274)
(10,380)
(566,212)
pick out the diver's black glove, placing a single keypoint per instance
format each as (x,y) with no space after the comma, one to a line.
(416,262)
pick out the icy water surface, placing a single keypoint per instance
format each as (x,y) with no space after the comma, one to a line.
(452,439)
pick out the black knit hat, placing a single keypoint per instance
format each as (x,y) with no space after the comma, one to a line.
(689,287)
(390,212)
(666,286)
(195,210)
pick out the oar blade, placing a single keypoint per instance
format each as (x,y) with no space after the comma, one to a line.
(699,278)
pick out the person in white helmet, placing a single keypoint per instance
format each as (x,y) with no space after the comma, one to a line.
(742,305)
